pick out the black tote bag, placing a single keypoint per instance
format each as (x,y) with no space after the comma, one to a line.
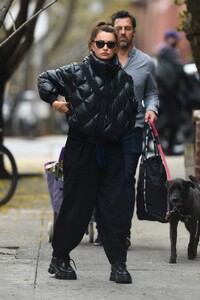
(151,198)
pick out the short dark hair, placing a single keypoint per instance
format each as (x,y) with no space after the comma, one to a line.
(121,14)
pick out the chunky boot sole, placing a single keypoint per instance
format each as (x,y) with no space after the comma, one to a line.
(112,276)
(126,279)
(71,276)
(62,275)
(51,270)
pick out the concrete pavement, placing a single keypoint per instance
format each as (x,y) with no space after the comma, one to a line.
(25,251)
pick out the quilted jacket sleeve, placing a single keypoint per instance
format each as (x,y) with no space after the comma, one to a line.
(52,83)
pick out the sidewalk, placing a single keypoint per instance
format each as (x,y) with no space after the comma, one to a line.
(25,251)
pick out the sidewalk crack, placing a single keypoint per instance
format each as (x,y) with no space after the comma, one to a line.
(38,253)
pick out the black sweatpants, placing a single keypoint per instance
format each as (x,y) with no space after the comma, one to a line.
(87,187)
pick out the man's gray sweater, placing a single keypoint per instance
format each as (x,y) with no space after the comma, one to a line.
(142,69)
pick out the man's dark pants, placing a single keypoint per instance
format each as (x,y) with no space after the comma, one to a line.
(132,147)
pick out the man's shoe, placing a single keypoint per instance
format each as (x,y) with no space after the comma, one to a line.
(62,269)
(98,241)
(119,273)
(128,243)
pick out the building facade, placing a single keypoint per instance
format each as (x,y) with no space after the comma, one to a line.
(154,17)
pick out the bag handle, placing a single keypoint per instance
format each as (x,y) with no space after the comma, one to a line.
(148,131)
(155,134)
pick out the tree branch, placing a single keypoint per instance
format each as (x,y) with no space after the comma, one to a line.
(21,42)
(4,10)
(28,21)
(55,40)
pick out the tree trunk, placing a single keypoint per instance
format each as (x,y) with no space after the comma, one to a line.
(192,29)
(2,89)
(3,172)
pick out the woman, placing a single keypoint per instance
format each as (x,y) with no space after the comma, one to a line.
(102,108)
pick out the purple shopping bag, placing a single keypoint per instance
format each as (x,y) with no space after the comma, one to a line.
(54,177)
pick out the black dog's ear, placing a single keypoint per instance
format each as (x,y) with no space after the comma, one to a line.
(189,184)
(193,179)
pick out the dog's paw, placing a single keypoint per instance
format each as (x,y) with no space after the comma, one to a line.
(192,252)
(191,255)
(172,260)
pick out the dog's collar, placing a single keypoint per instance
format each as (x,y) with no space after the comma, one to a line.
(184,218)
(169,212)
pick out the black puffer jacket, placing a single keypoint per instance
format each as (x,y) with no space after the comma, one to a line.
(116,88)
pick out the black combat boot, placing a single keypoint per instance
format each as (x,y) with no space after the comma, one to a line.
(98,241)
(62,269)
(119,273)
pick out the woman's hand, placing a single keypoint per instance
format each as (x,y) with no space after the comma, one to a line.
(60,106)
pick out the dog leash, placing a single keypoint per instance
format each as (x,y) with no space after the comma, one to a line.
(155,132)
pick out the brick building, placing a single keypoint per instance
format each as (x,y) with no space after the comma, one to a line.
(154,17)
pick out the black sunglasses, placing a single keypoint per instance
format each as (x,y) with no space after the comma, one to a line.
(101,44)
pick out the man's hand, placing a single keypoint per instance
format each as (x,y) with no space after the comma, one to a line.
(150,115)
(60,106)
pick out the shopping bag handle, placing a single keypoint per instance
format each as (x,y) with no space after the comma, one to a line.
(148,132)
(155,132)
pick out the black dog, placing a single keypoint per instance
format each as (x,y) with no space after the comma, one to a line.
(184,205)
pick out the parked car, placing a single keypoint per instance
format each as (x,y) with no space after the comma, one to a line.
(30,115)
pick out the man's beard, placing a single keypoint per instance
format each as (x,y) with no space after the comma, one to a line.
(123,44)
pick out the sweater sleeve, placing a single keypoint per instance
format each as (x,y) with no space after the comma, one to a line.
(151,100)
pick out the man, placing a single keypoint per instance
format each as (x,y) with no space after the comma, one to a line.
(171,40)
(170,78)
(142,69)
